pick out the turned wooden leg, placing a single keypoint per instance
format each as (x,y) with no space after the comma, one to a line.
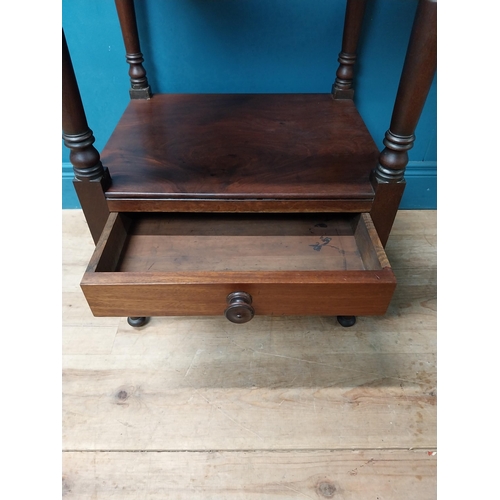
(137,321)
(342,88)
(128,23)
(91,178)
(416,79)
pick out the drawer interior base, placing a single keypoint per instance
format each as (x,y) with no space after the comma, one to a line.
(269,242)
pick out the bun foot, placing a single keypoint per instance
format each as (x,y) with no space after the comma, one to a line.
(137,321)
(346,321)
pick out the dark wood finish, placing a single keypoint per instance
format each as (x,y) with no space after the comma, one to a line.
(239,206)
(248,203)
(91,178)
(418,70)
(139,83)
(239,308)
(386,205)
(241,147)
(185,265)
(116,229)
(91,197)
(416,79)
(76,133)
(342,88)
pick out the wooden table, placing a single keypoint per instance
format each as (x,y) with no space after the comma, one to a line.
(288,190)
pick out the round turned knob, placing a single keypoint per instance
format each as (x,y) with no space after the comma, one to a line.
(239,309)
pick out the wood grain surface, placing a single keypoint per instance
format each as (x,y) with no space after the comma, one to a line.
(348,475)
(171,265)
(240,147)
(201,408)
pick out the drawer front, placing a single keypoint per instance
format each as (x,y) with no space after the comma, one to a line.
(124,281)
(364,295)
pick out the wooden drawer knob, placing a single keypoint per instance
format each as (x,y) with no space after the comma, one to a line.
(240,308)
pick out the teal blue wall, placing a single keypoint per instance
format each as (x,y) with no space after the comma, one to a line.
(248,46)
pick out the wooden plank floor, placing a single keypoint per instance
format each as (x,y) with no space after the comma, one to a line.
(300,407)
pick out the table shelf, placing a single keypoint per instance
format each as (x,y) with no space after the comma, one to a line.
(183,151)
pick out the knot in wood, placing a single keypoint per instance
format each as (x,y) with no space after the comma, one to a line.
(326,489)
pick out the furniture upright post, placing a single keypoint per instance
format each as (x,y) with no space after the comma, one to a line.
(342,88)
(91,178)
(139,83)
(416,79)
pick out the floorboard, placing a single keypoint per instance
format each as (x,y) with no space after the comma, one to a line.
(347,475)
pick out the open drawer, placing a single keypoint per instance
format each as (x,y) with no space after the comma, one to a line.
(158,264)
